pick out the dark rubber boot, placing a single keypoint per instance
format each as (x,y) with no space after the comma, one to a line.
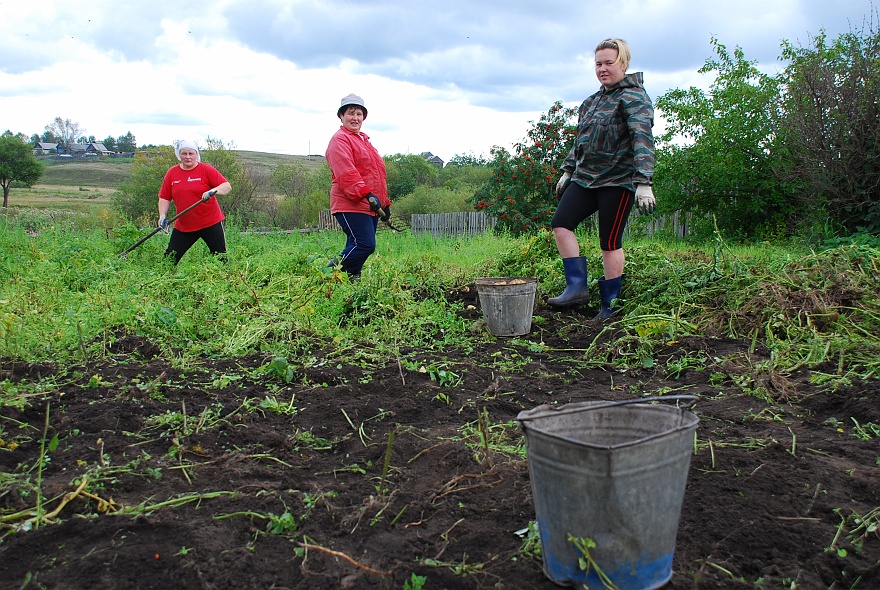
(576,289)
(609,290)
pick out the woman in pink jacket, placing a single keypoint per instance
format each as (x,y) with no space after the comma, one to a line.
(358,192)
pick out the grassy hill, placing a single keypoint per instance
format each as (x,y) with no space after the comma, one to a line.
(99,173)
(268,160)
(86,185)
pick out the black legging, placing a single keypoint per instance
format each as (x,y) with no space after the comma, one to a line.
(181,241)
(612,202)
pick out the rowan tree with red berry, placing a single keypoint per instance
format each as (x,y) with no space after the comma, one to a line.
(521,193)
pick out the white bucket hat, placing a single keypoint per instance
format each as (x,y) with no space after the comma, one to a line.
(352,100)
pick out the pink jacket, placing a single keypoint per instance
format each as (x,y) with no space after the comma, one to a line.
(357,169)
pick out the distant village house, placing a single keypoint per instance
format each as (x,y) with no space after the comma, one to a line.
(45,148)
(432,159)
(77,149)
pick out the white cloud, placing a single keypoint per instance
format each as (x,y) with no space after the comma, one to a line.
(455,77)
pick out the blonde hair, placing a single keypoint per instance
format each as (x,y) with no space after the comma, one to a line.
(623,52)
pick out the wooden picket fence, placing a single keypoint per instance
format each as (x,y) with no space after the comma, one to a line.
(471,223)
(461,223)
(326,221)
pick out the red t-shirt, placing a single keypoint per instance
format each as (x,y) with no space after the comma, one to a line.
(185,187)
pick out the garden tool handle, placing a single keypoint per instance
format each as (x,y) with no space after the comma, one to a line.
(657,398)
(168,223)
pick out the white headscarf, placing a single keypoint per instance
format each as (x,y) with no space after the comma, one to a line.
(185,143)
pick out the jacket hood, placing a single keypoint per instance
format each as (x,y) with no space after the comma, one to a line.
(634,80)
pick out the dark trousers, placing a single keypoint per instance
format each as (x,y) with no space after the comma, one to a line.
(613,204)
(181,241)
(360,239)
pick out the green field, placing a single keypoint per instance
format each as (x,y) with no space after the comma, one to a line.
(85,187)
(268,160)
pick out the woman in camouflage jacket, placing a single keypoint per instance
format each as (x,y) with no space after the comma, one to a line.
(609,167)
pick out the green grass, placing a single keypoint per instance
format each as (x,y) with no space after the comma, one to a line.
(82,189)
(104,173)
(66,294)
(270,160)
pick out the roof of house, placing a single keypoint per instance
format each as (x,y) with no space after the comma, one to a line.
(46,145)
(432,158)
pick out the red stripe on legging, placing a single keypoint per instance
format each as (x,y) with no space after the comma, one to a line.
(613,237)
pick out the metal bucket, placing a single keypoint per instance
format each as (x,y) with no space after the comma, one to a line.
(613,474)
(508,304)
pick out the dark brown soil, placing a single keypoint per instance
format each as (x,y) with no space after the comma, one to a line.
(292,494)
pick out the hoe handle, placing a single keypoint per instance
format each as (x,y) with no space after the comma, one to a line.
(158,229)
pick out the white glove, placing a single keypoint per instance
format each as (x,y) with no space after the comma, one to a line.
(563,182)
(645,198)
(208,194)
(163,225)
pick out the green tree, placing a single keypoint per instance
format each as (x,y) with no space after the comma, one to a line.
(433,199)
(464,172)
(17,164)
(136,197)
(239,204)
(21,136)
(126,143)
(406,171)
(521,192)
(831,128)
(304,193)
(109,143)
(718,154)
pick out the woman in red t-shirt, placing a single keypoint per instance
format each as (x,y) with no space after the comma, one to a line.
(186,183)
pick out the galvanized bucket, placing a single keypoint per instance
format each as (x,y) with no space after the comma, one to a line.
(609,477)
(508,304)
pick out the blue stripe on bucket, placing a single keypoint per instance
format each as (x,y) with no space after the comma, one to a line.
(639,575)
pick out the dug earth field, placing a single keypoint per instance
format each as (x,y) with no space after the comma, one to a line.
(130,471)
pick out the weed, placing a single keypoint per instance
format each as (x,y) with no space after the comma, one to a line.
(502,438)
(281,524)
(305,439)
(462,569)
(865,431)
(276,407)
(586,561)
(415,582)
(279,368)
(531,541)
(855,529)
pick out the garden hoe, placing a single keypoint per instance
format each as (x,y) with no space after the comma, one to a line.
(168,223)
(387,219)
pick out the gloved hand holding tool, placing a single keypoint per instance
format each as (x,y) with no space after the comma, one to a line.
(208,194)
(645,198)
(375,205)
(164,225)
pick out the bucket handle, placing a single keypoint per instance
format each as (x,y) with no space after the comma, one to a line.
(657,398)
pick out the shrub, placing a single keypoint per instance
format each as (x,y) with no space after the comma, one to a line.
(521,192)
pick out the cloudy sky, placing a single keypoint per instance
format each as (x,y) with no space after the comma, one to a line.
(450,77)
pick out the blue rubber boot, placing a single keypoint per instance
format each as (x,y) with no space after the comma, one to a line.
(576,288)
(609,290)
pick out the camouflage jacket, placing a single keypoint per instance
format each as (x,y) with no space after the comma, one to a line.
(614,144)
